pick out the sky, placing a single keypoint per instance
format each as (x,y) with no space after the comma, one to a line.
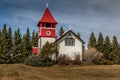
(85,16)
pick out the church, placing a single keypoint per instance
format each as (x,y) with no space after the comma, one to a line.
(68,43)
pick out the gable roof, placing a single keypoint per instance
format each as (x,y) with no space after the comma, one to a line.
(69,30)
(47,17)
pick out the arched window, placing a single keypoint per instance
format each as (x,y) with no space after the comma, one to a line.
(69,42)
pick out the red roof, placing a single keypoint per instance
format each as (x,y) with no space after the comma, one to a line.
(47,17)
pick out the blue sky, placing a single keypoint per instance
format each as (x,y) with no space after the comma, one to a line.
(84,16)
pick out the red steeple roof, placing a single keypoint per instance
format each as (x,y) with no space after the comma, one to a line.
(47,17)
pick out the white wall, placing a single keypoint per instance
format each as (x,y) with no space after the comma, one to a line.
(43,40)
(70,51)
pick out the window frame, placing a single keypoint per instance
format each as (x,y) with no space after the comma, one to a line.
(69,42)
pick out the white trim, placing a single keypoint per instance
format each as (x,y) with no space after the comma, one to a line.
(47,28)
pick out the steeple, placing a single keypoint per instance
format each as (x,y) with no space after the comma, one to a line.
(47,17)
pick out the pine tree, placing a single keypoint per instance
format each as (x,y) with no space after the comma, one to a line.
(3,45)
(34,39)
(115,55)
(92,41)
(17,40)
(0,42)
(17,47)
(107,48)
(27,46)
(9,43)
(100,43)
(78,34)
(48,49)
(61,30)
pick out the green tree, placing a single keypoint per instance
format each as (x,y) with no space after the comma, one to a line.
(61,30)
(3,45)
(115,55)
(26,44)
(78,34)
(9,43)
(107,48)
(48,49)
(100,43)
(92,41)
(34,39)
(17,47)
(0,42)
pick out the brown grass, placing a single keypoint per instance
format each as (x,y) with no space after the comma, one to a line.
(92,72)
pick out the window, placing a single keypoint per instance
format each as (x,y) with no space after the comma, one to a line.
(48,24)
(69,42)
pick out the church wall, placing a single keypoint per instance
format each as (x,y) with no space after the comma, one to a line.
(70,51)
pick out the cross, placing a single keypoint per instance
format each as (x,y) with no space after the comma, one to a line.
(47,5)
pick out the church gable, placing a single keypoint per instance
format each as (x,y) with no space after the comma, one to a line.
(70,44)
(69,36)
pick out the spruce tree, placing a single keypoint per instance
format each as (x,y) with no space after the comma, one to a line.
(9,43)
(107,48)
(26,44)
(115,55)
(92,41)
(34,39)
(3,45)
(78,34)
(17,47)
(48,49)
(100,43)
(61,30)
(0,43)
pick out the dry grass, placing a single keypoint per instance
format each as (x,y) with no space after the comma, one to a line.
(94,72)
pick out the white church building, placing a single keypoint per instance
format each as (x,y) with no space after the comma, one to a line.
(68,43)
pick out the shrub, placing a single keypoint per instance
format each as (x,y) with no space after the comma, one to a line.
(91,55)
(103,61)
(36,61)
(77,60)
(64,60)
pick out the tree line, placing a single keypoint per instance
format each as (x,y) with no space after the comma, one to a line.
(15,48)
(109,48)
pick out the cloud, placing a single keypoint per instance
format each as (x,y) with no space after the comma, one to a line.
(83,15)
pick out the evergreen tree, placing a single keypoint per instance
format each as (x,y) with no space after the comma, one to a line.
(48,49)
(115,44)
(61,30)
(17,47)
(0,43)
(78,34)
(9,43)
(100,43)
(27,46)
(115,55)
(34,39)
(92,41)
(17,40)
(107,48)
(3,45)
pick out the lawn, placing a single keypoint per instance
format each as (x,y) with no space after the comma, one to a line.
(92,72)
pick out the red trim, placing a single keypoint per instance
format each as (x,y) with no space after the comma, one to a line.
(34,50)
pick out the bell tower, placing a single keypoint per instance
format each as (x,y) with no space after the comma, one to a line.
(46,28)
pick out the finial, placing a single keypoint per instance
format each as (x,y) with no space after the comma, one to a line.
(70,27)
(46,5)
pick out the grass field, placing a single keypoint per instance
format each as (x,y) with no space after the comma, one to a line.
(92,72)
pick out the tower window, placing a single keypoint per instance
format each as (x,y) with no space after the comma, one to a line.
(48,24)
(69,42)
(43,25)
